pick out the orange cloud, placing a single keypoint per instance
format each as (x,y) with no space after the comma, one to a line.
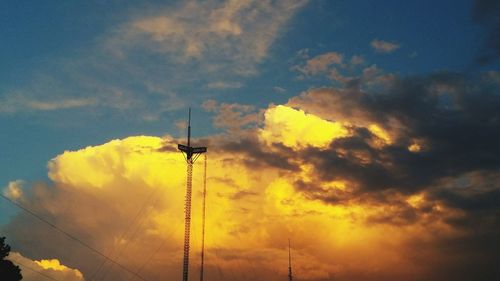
(126,197)
(34,270)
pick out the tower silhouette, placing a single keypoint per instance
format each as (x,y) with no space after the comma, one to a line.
(289,262)
(191,155)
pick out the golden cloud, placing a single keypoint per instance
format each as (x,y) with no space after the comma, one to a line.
(126,197)
(34,270)
(296,129)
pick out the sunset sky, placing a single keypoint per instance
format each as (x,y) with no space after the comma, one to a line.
(366,132)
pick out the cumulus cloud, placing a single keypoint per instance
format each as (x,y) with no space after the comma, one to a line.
(296,129)
(433,123)
(14,190)
(140,178)
(418,161)
(406,111)
(34,270)
(382,46)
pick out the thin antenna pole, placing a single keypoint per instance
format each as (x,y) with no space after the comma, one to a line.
(189,128)
(203,220)
(187,206)
(289,262)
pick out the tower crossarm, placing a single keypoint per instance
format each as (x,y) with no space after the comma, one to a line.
(191,151)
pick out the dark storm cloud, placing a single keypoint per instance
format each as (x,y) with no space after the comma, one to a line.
(240,121)
(455,115)
(342,162)
(457,119)
(470,256)
(485,201)
(256,154)
(473,252)
(316,191)
(486,13)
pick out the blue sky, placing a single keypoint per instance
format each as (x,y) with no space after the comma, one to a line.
(47,48)
(373,116)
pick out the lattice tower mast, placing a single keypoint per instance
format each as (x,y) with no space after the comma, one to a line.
(191,154)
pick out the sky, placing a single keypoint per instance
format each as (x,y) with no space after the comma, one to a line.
(366,132)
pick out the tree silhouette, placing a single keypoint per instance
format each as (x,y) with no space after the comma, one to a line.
(8,270)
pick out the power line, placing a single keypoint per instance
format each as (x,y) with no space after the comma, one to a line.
(140,223)
(72,237)
(150,258)
(124,235)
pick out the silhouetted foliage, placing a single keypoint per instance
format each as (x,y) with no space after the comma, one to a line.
(8,270)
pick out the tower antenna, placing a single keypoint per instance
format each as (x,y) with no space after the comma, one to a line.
(191,154)
(203,219)
(189,127)
(289,262)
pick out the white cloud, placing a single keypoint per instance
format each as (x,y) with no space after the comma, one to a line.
(224,85)
(232,36)
(144,62)
(14,190)
(61,104)
(17,103)
(279,90)
(386,47)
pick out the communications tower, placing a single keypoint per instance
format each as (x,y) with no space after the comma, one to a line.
(289,262)
(191,154)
